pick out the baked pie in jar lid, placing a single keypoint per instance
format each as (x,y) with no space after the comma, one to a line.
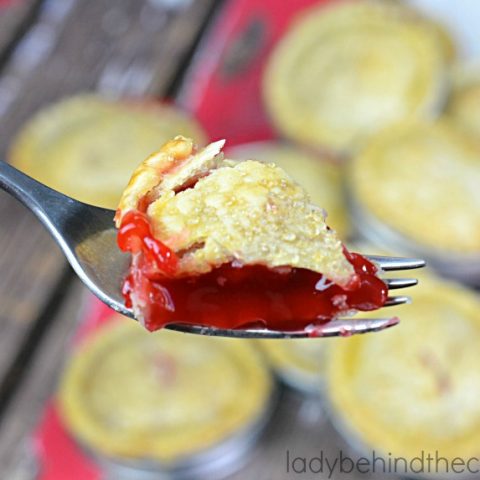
(346,70)
(415,388)
(168,402)
(322,179)
(415,187)
(86,146)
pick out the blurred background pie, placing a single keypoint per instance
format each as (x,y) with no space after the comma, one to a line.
(346,70)
(130,395)
(87,146)
(413,388)
(416,185)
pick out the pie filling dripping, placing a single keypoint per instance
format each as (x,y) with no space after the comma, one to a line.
(234,297)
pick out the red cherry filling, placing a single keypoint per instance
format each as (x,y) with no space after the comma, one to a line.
(233,296)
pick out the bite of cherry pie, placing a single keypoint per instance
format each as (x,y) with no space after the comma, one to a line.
(233,244)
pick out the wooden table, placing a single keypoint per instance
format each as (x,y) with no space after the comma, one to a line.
(48,49)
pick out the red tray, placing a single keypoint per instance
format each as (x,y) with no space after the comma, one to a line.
(59,456)
(223,90)
(223,87)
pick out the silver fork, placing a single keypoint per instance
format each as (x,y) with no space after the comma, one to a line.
(87,237)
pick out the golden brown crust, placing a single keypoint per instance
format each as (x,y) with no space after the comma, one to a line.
(153,170)
(86,146)
(404,391)
(243,212)
(321,178)
(131,395)
(422,180)
(333,80)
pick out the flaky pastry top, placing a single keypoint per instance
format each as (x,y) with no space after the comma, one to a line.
(210,211)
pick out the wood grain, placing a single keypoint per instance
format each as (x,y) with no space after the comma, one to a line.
(40,379)
(30,266)
(15,18)
(126,47)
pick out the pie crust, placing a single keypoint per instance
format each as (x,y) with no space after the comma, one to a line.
(413,389)
(422,180)
(344,71)
(246,212)
(322,179)
(127,394)
(87,146)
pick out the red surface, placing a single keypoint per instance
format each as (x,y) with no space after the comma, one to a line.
(135,236)
(229,106)
(60,457)
(9,3)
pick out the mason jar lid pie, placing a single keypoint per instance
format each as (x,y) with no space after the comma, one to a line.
(129,396)
(415,185)
(415,388)
(347,69)
(86,146)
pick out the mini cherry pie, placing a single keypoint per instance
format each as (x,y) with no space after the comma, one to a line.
(233,244)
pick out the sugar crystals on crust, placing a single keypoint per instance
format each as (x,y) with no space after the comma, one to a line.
(210,211)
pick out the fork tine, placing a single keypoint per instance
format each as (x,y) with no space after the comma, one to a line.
(396,263)
(393,283)
(341,327)
(398,300)
(352,326)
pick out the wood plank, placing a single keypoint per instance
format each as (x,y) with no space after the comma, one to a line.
(15,16)
(30,266)
(125,47)
(22,414)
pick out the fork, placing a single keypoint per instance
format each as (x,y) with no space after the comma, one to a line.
(87,237)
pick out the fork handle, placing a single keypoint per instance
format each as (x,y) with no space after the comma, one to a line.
(48,205)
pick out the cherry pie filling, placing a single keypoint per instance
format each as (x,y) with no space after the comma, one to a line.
(237,296)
